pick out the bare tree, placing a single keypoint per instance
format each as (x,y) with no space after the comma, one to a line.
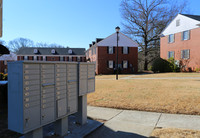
(144,20)
(53,45)
(16,44)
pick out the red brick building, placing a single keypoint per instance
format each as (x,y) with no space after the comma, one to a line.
(103,53)
(180,40)
(52,54)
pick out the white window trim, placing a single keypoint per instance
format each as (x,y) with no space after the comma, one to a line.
(110,52)
(109,64)
(125,48)
(125,67)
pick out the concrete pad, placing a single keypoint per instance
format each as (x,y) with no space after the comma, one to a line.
(90,108)
(80,131)
(129,127)
(179,121)
(138,117)
(103,113)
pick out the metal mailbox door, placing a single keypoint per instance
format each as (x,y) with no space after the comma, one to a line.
(83,78)
(72,91)
(61,90)
(31,96)
(48,93)
(91,78)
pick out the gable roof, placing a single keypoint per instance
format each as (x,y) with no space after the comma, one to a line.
(195,17)
(112,41)
(47,51)
(187,22)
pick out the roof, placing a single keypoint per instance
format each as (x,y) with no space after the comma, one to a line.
(112,41)
(196,17)
(3,50)
(48,51)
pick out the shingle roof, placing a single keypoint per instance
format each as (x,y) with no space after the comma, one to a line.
(47,51)
(196,17)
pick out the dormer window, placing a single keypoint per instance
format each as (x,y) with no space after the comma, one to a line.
(53,51)
(69,51)
(35,51)
(177,22)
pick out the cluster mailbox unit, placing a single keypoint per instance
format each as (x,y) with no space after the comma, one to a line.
(40,93)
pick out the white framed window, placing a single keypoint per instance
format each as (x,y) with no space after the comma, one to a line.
(125,64)
(70,58)
(171,38)
(185,54)
(110,50)
(5,62)
(35,58)
(170,54)
(61,58)
(25,57)
(110,64)
(69,51)
(53,51)
(125,50)
(78,58)
(44,58)
(186,35)
(177,22)
(35,51)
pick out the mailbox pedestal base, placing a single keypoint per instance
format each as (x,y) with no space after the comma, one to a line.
(37,133)
(81,115)
(61,126)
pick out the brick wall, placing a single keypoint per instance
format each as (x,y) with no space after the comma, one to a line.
(193,44)
(103,57)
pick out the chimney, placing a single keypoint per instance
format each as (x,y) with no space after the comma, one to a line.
(93,42)
(98,39)
(90,45)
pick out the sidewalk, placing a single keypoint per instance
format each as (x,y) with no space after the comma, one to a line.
(129,123)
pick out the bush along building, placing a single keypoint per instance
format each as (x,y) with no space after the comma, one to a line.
(52,54)
(103,53)
(180,40)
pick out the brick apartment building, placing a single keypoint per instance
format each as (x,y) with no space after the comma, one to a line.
(103,53)
(180,40)
(4,59)
(52,54)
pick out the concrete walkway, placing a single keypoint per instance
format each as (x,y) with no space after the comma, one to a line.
(129,123)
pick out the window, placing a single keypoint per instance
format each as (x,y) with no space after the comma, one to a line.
(5,62)
(35,58)
(53,51)
(170,54)
(61,58)
(185,35)
(171,38)
(125,50)
(177,22)
(110,50)
(35,51)
(110,64)
(70,58)
(69,51)
(44,58)
(185,54)
(125,64)
(78,59)
(25,57)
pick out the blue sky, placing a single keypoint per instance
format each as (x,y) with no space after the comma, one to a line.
(73,23)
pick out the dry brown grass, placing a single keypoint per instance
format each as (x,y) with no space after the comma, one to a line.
(168,96)
(175,133)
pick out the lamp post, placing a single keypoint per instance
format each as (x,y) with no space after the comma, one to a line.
(117,31)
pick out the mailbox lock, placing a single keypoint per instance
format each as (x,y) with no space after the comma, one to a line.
(43,116)
(26,99)
(27,83)
(27,88)
(26,94)
(27,105)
